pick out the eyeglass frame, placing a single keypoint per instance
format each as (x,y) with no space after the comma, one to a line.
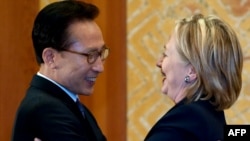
(91,53)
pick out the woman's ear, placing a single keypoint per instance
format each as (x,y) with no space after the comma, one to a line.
(49,56)
(192,73)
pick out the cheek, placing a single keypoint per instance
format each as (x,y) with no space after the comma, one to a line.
(165,66)
(172,71)
(79,70)
(76,70)
(76,76)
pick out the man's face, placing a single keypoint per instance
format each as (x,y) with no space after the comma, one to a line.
(73,70)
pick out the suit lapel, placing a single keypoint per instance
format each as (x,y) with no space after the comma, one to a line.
(55,91)
(89,117)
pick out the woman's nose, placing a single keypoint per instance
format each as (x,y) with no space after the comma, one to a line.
(158,63)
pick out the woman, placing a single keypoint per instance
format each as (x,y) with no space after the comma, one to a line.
(202,66)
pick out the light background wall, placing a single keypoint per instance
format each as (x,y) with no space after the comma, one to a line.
(149,24)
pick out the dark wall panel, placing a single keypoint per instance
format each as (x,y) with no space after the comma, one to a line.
(16,56)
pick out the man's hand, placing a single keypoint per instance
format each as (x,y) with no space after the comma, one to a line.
(37,139)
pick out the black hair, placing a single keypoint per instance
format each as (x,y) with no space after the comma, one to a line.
(52,22)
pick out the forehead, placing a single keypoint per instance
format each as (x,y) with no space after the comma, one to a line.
(85,34)
(170,45)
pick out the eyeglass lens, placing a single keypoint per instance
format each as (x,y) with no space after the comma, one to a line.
(92,57)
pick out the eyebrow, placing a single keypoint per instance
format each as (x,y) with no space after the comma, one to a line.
(95,48)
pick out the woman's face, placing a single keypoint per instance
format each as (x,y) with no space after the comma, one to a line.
(174,71)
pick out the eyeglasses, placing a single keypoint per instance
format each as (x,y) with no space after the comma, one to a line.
(92,55)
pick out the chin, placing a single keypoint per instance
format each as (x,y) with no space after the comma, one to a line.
(164,91)
(86,92)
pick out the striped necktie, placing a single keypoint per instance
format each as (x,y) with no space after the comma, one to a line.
(80,106)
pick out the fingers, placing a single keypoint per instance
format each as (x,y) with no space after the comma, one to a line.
(37,139)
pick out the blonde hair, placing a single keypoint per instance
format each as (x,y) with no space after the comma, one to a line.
(211,46)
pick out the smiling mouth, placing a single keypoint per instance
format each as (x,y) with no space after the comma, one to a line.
(164,78)
(163,75)
(92,79)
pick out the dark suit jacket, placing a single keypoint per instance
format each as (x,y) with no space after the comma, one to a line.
(196,121)
(48,113)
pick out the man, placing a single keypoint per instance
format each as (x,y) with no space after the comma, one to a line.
(70,51)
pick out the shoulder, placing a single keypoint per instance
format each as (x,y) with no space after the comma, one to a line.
(195,120)
(201,109)
(39,103)
(194,115)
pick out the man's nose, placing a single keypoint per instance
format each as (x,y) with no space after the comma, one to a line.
(98,65)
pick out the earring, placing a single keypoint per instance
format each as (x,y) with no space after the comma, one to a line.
(187,79)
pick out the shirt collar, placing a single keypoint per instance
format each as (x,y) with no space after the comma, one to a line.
(68,92)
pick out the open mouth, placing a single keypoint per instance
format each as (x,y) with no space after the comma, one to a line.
(91,79)
(164,76)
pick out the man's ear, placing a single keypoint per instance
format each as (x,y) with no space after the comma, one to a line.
(49,56)
(192,73)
